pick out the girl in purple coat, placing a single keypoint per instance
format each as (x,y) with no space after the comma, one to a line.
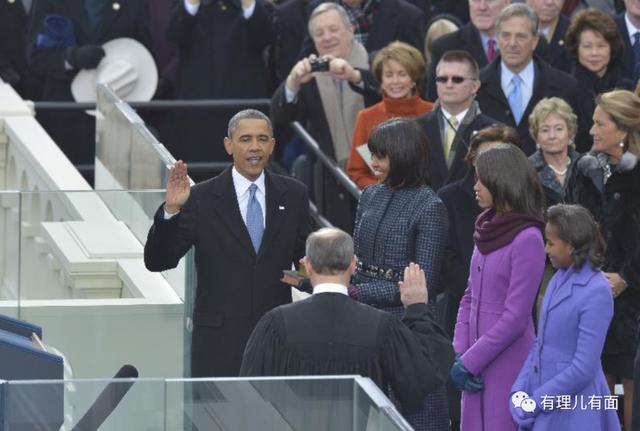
(562,376)
(494,329)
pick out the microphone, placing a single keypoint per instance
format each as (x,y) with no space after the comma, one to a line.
(108,400)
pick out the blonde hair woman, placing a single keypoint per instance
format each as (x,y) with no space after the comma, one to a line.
(607,181)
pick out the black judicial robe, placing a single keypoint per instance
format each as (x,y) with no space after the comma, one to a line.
(332,334)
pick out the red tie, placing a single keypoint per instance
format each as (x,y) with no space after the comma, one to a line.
(491,52)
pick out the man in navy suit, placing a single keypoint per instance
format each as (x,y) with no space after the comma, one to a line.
(553,26)
(247,225)
(629,27)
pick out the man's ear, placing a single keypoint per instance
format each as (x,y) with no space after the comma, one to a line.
(352,265)
(228,146)
(308,269)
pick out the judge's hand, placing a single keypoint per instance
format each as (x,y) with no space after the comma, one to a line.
(247,3)
(413,288)
(300,74)
(178,188)
(617,283)
(341,69)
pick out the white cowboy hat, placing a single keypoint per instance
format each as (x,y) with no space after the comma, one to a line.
(128,68)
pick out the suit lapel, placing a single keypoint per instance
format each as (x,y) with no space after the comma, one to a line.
(474,45)
(434,134)
(226,205)
(110,12)
(556,46)
(83,31)
(628,48)
(460,146)
(276,210)
(494,87)
(539,89)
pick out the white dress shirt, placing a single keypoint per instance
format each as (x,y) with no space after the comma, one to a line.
(632,29)
(527,76)
(241,186)
(447,118)
(330,288)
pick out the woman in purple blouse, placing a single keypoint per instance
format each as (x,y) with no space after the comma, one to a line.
(494,330)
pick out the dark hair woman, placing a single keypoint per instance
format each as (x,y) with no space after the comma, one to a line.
(494,331)
(400,220)
(594,43)
(400,70)
(607,182)
(575,315)
(462,208)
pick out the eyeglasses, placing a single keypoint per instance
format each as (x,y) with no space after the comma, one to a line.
(454,79)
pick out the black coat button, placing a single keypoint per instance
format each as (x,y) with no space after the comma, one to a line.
(616,196)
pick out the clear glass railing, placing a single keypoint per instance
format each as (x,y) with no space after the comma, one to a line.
(129,157)
(304,403)
(74,265)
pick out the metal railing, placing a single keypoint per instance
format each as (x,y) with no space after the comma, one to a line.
(327,161)
(161,104)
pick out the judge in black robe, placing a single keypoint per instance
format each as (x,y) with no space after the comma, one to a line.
(332,334)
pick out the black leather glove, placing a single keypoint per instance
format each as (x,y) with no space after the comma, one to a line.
(85,57)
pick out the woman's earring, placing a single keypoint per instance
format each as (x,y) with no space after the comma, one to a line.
(621,144)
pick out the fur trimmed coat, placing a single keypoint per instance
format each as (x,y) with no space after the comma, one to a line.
(615,204)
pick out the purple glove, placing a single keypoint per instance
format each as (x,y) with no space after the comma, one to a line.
(524,419)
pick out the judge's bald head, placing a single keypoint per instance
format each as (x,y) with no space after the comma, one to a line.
(329,251)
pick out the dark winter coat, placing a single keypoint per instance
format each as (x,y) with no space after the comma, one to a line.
(615,204)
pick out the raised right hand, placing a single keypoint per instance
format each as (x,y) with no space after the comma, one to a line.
(178,188)
(413,288)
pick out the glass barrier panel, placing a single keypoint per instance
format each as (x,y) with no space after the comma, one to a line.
(270,403)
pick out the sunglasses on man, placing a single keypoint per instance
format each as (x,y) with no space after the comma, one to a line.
(454,79)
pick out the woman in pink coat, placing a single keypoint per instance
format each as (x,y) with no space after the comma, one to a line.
(494,329)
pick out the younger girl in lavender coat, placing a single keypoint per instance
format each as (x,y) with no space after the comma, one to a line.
(562,376)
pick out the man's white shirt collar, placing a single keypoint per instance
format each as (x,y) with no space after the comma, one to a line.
(330,288)
(630,27)
(459,116)
(526,75)
(242,184)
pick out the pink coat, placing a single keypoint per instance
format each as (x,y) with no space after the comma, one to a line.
(494,331)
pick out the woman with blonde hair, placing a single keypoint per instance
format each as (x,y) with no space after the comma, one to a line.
(606,182)
(400,70)
(553,125)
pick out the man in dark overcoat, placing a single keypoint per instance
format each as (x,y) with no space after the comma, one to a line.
(246,225)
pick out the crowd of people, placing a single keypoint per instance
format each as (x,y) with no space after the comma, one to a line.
(495,258)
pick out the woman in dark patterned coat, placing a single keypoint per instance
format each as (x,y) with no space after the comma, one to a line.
(606,182)
(400,220)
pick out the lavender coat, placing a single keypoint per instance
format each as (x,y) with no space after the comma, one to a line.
(565,359)
(494,330)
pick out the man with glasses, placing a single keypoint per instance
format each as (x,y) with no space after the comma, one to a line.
(456,116)
(513,84)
